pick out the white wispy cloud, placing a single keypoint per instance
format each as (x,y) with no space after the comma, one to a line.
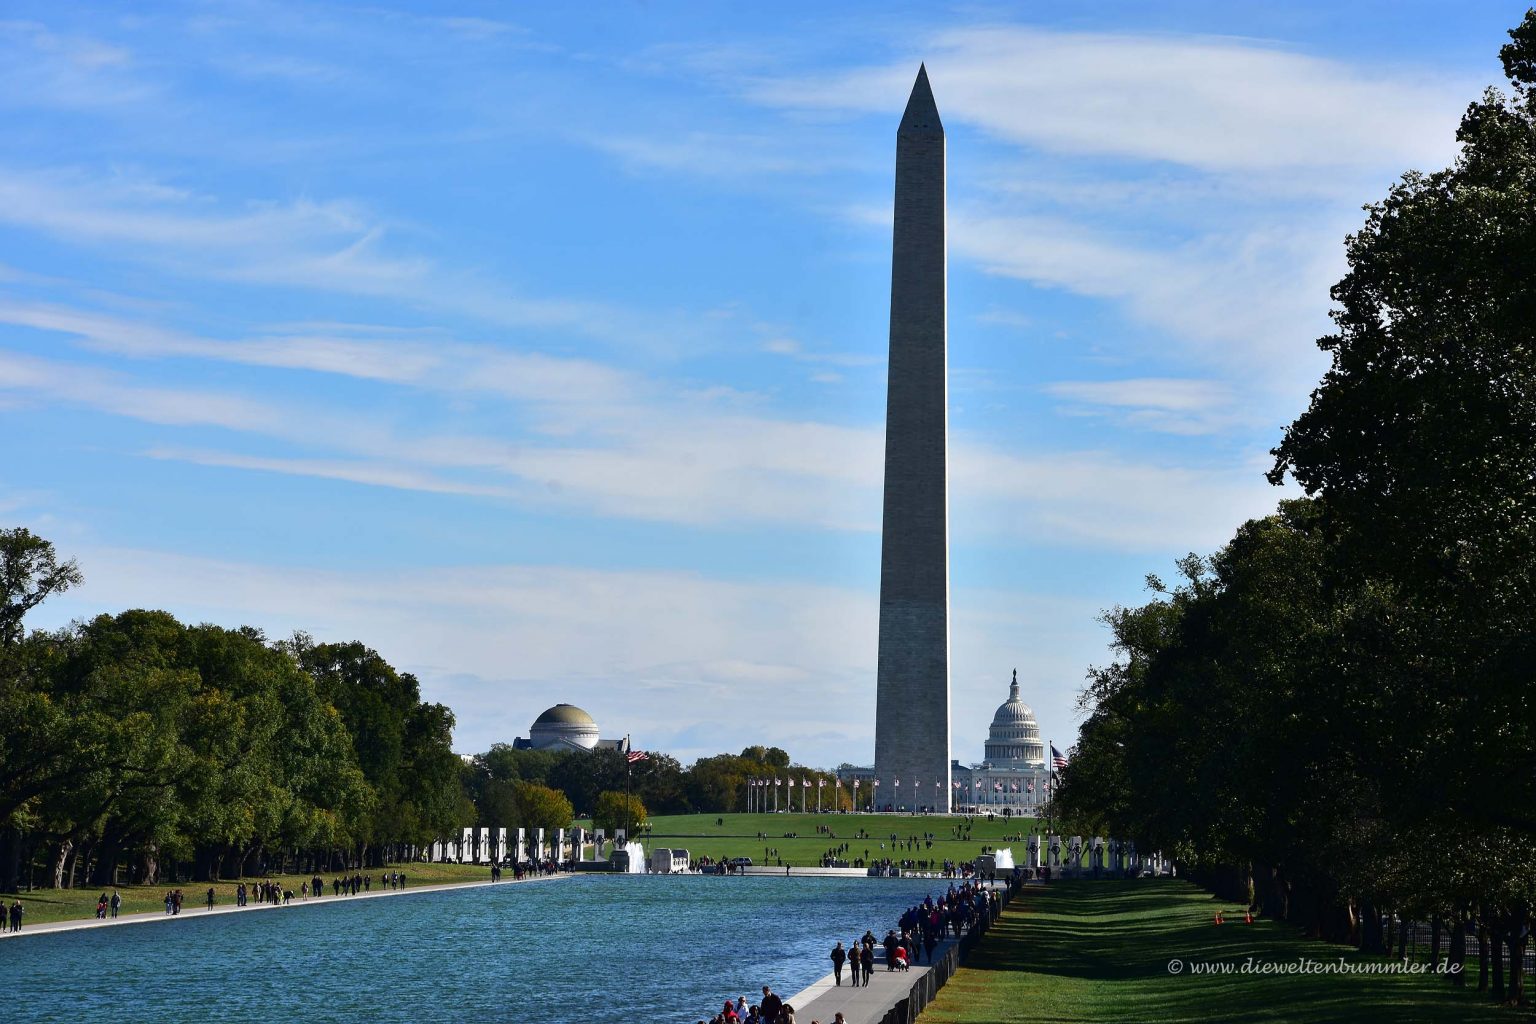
(696,464)
(1248,303)
(1211,103)
(375,353)
(334,245)
(1170,405)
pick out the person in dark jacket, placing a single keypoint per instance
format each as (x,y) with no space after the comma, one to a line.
(839,956)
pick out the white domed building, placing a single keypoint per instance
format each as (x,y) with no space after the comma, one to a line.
(565,727)
(1014,776)
(1014,773)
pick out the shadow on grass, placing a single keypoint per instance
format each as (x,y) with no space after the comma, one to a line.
(1101,951)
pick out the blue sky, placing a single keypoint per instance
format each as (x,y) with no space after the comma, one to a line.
(546,355)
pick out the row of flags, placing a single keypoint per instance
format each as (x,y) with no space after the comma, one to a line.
(786,782)
(1013,787)
(1058,763)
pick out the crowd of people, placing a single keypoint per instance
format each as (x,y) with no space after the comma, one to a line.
(914,939)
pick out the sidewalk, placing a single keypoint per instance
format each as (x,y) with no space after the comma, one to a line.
(197,912)
(865,1004)
(870,1004)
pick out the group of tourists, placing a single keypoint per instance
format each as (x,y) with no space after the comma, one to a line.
(264,892)
(771,1009)
(112,904)
(14,915)
(916,935)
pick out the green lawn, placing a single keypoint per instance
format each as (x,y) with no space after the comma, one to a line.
(1099,951)
(44,905)
(735,835)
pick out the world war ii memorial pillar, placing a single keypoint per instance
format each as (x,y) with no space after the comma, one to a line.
(912,675)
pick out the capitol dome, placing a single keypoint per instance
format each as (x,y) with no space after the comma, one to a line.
(564,725)
(1014,740)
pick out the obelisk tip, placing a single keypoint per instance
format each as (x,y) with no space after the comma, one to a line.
(922,113)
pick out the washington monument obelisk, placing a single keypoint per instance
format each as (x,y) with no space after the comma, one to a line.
(912,677)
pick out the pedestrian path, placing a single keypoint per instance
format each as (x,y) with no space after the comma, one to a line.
(196,913)
(864,1004)
(869,1004)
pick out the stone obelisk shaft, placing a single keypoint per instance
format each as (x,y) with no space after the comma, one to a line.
(912,701)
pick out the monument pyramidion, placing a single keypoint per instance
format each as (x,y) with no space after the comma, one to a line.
(912,678)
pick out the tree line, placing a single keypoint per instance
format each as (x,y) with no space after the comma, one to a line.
(1335,714)
(134,747)
(504,783)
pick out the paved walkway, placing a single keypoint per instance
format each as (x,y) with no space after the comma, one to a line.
(189,912)
(865,1004)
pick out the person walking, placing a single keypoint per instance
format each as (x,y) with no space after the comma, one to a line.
(17,911)
(772,1006)
(839,955)
(868,960)
(117,902)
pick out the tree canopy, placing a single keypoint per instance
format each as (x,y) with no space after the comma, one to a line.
(1335,709)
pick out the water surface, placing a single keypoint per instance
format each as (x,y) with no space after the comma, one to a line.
(634,948)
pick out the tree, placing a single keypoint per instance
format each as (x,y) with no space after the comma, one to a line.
(29,573)
(1420,443)
(541,807)
(1421,439)
(614,810)
(770,756)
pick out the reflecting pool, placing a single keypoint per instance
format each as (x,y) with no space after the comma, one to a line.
(634,948)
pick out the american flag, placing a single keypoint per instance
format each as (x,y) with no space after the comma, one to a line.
(1058,759)
(636,755)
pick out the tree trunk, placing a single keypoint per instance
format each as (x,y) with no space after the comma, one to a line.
(108,852)
(1370,928)
(151,863)
(1519,937)
(1457,959)
(1498,961)
(61,857)
(1482,954)
(10,860)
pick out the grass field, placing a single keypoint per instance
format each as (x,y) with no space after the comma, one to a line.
(735,835)
(1100,951)
(45,905)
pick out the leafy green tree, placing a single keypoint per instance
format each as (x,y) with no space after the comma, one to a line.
(614,810)
(773,757)
(43,749)
(1422,439)
(542,807)
(30,572)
